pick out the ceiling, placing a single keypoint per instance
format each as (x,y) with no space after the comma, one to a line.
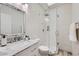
(46,6)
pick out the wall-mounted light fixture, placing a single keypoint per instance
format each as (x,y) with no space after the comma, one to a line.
(49,4)
(25,7)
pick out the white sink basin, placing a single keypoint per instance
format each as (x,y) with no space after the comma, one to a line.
(18,45)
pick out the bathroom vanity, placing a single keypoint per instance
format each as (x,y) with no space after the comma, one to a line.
(29,51)
(21,48)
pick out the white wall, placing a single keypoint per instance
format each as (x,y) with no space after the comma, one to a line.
(63,25)
(75,18)
(35,22)
(75,12)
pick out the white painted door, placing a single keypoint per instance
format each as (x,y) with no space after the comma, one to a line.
(52,30)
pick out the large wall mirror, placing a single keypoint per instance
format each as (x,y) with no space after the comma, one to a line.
(12,20)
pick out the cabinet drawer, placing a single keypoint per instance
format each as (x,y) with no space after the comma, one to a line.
(23,53)
(28,51)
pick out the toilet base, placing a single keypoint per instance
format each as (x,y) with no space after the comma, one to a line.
(44,53)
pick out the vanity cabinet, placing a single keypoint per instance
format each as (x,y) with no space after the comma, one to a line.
(30,51)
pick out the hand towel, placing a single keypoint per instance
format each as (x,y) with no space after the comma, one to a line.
(72,34)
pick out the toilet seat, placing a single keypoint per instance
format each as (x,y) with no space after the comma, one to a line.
(43,50)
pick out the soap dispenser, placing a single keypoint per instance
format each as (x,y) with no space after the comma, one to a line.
(3,41)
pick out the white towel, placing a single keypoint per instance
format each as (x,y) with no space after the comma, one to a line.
(72,34)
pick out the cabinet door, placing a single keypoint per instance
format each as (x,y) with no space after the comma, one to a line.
(35,52)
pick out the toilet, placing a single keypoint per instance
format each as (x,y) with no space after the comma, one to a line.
(43,50)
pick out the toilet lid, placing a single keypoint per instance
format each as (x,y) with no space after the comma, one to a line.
(44,48)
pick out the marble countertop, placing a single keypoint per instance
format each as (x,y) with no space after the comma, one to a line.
(13,48)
